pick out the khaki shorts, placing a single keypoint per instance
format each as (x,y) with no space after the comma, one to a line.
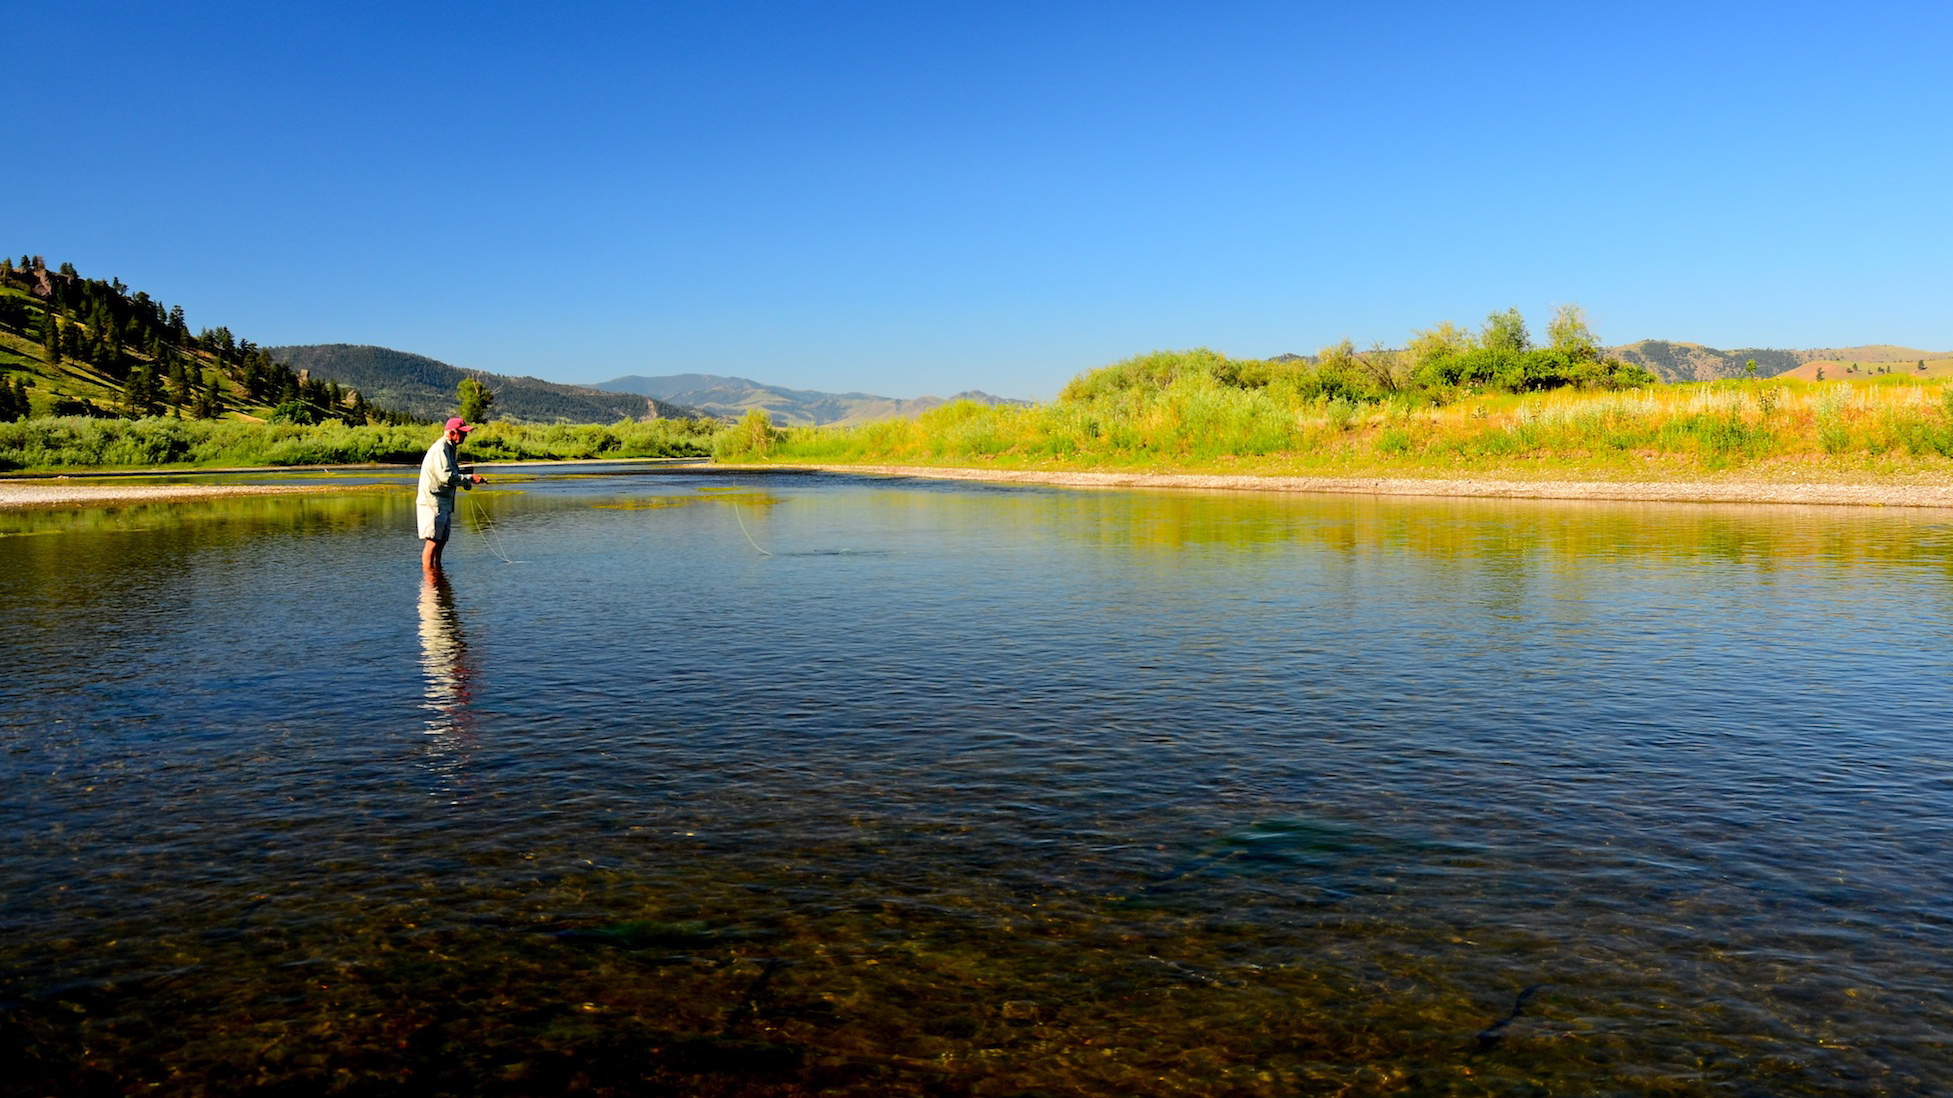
(434,522)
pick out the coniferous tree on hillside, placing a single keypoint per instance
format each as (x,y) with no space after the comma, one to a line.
(13,399)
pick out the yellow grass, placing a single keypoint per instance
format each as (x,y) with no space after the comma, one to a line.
(1777,428)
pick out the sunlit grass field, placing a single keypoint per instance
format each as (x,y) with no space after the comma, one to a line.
(1887,425)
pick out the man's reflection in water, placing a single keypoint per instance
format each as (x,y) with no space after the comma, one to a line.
(448,695)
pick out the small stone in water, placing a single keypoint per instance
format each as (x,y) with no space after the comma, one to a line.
(1020,1010)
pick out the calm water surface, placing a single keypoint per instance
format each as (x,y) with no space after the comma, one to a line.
(704,783)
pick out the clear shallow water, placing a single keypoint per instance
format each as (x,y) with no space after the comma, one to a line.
(790,783)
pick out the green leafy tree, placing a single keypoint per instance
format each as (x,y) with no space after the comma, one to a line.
(1505,331)
(294,411)
(476,399)
(1567,331)
(1445,340)
(753,434)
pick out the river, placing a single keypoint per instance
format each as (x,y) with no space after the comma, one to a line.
(713,783)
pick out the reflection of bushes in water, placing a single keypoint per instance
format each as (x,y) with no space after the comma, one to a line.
(733,495)
(1506,534)
(82,545)
(243,515)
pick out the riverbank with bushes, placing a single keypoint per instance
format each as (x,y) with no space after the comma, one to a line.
(74,443)
(1199,412)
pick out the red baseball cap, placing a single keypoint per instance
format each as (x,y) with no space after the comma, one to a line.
(455,424)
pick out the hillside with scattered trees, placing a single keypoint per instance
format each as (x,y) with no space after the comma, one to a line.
(75,346)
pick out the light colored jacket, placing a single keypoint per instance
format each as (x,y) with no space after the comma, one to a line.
(439,474)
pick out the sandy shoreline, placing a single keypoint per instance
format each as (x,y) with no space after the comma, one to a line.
(1913,492)
(1937,492)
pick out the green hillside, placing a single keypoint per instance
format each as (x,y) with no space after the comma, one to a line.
(1672,361)
(425,387)
(75,346)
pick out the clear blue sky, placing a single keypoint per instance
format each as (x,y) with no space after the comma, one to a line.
(911,198)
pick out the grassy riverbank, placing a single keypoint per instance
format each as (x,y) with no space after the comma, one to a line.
(54,444)
(1184,412)
(1190,412)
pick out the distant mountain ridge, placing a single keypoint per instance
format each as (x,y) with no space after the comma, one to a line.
(425,387)
(732,396)
(1672,361)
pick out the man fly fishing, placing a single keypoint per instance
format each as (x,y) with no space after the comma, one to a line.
(440,473)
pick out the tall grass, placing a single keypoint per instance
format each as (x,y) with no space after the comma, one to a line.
(1188,411)
(69,442)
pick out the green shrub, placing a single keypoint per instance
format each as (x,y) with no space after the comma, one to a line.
(753,436)
(75,442)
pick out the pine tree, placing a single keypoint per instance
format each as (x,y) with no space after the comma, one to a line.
(180,383)
(139,393)
(210,404)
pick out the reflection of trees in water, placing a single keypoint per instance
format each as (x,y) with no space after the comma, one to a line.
(1502,554)
(110,556)
(1513,533)
(448,693)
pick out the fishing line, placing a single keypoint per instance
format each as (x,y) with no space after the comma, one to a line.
(487,535)
(743,530)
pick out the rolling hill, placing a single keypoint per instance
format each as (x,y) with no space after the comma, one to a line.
(425,387)
(1694,362)
(732,396)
